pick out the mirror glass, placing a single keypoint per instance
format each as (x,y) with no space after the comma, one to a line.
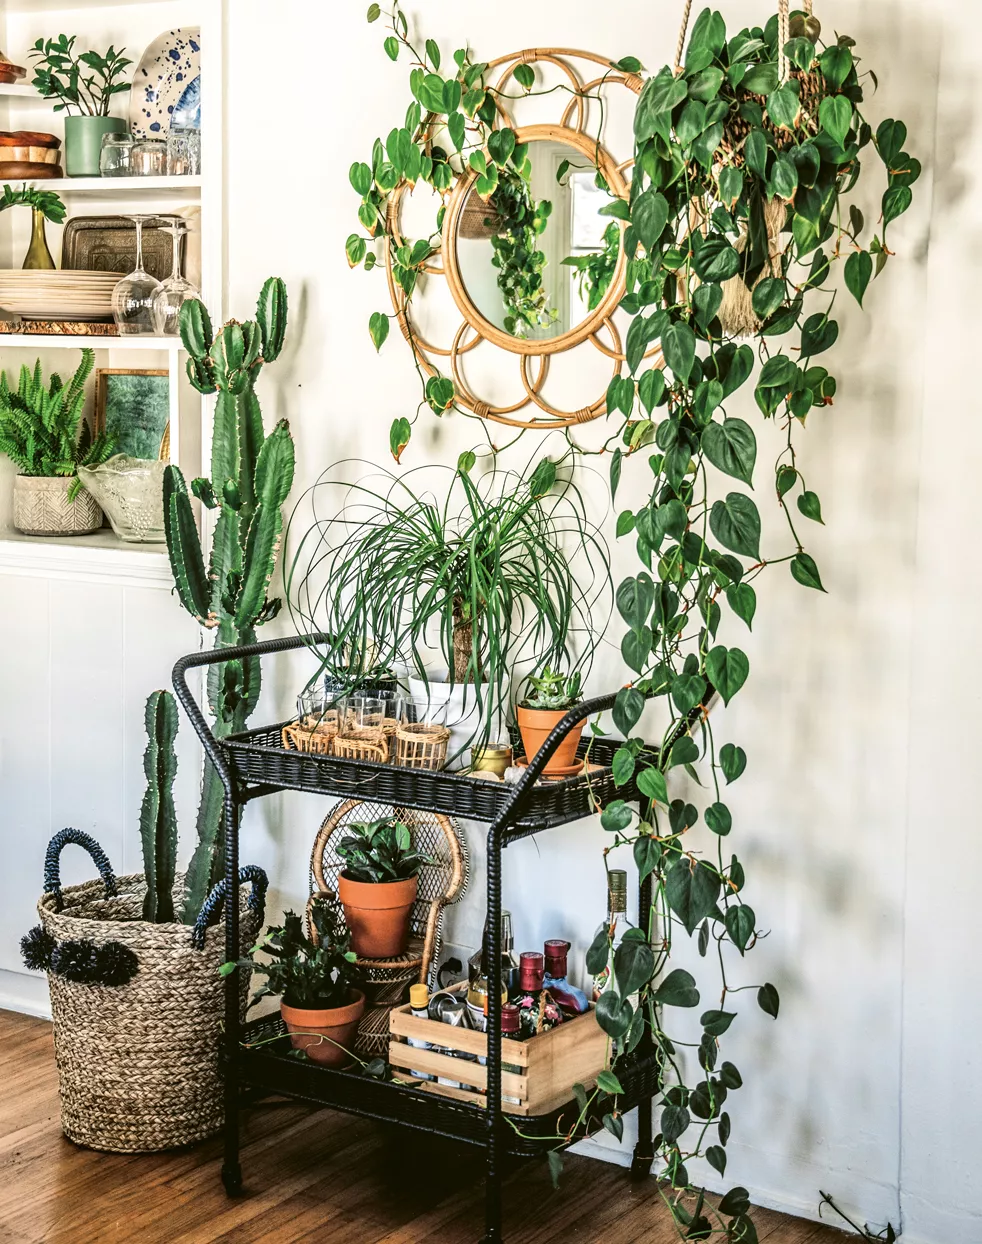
(537,257)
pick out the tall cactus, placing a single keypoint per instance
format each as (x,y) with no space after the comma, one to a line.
(158,820)
(251,476)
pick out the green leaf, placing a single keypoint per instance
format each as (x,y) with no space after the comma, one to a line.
(730,185)
(613,1014)
(651,387)
(360,176)
(674,1122)
(647,853)
(741,365)
(835,116)
(742,599)
(727,670)
(355,248)
(555,1160)
(525,76)
(687,691)
(715,259)
(634,598)
(636,646)
(835,63)
(783,106)
(858,270)
(896,200)
(678,345)
(391,46)
(716,1157)
(890,138)
(730,1076)
(785,479)
(618,209)
(731,447)
(717,817)
(706,300)
(768,295)
(622,766)
(784,178)
(755,151)
(692,890)
(677,989)
(740,922)
(684,752)
(716,1022)
(768,1000)
(399,435)
(439,392)
(598,953)
(616,816)
(501,143)
(634,962)
(374,12)
(735,1204)
(777,373)
(378,327)
(811,507)
(433,53)
(651,784)
(733,761)
(607,1082)
(804,570)
(818,334)
(628,64)
(649,215)
(735,523)
(615,472)
(628,707)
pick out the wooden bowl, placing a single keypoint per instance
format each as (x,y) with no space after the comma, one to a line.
(28,138)
(25,170)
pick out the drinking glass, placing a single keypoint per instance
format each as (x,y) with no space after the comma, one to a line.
(149,158)
(422,736)
(172,293)
(369,712)
(114,156)
(319,711)
(133,296)
(184,153)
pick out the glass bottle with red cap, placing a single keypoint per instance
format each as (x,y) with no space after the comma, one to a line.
(536,1010)
(571,1001)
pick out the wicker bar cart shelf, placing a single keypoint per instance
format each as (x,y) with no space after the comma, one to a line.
(257,1056)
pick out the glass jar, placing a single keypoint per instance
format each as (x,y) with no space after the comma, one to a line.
(149,158)
(115,156)
(184,153)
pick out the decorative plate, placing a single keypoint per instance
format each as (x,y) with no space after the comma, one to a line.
(167,73)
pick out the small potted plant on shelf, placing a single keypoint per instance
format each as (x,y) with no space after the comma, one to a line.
(550,697)
(42,431)
(85,82)
(378,885)
(45,205)
(316,980)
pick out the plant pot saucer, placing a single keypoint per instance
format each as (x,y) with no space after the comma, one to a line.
(563,770)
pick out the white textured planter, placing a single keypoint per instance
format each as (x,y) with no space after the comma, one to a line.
(42,508)
(463,717)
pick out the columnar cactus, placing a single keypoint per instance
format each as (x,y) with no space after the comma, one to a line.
(158,820)
(251,476)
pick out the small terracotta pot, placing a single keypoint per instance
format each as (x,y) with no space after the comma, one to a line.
(536,724)
(377,913)
(327,1036)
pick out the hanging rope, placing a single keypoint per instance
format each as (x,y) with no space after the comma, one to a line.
(783,69)
(682,33)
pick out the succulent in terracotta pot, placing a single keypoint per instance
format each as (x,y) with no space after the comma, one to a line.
(378,885)
(550,697)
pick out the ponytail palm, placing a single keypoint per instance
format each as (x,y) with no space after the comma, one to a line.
(501,573)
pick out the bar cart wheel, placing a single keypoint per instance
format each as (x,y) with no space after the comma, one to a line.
(232,1178)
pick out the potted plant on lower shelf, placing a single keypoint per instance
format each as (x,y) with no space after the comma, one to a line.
(316,982)
(378,885)
(550,697)
(43,432)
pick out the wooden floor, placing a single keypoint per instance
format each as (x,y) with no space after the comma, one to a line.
(310,1175)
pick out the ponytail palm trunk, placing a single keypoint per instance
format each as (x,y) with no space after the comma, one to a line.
(251,475)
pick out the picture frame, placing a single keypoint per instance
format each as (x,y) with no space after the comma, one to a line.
(134,402)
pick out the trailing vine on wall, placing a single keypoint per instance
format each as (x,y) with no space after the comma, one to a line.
(746,152)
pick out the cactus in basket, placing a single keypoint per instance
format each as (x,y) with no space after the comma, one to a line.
(251,475)
(158,820)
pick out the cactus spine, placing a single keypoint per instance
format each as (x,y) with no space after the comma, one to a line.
(158,820)
(251,476)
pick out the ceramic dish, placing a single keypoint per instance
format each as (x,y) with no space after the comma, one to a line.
(57,295)
(166,74)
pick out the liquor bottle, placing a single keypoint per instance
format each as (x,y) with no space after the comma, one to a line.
(509,960)
(570,1000)
(536,1009)
(419,999)
(510,1031)
(617,924)
(477,988)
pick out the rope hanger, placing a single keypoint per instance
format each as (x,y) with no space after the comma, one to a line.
(783,69)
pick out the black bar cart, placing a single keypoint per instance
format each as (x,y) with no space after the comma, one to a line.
(254,764)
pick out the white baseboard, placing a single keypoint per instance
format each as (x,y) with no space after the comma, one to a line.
(24,992)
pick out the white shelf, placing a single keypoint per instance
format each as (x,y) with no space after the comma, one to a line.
(116,187)
(23,90)
(63,341)
(102,557)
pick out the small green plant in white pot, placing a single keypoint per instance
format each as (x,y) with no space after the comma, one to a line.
(85,83)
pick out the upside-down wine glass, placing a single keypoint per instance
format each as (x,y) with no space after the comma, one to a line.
(133,296)
(171,294)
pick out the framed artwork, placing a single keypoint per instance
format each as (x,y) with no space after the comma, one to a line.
(133,403)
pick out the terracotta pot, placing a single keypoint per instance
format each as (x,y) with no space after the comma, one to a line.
(536,724)
(327,1036)
(42,508)
(377,913)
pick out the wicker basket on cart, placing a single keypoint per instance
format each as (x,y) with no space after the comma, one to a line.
(442,883)
(137,1061)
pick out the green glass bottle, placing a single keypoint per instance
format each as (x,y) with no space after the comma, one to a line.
(38,255)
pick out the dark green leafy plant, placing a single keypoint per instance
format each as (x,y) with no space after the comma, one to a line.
(158,820)
(251,475)
(304,974)
(45,201)
(41,426)
(553,690)
(382,850)
(61,74)
(595,270)
(519,222)
(482,574)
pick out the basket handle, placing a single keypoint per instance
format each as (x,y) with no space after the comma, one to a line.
(213,904)
(52,863)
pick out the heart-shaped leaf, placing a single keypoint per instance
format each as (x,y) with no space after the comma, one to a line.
(735,523)
(742,599)
(678,345)
(858,270)
(634,963)
(727,669)
(649,215)
(740,922)
(692,890)
(614,1015)
(677,989)
(835,116)
(733,761)
(805,572)
(731,447)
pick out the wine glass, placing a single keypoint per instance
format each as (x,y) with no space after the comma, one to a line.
(171,294)
(133,296)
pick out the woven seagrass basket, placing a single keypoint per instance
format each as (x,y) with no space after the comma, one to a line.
(138,1065)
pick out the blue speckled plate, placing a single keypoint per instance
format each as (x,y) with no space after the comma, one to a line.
(167,84)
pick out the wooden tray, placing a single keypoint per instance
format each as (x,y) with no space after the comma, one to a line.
(548,1065)
(59,328)
(108,244)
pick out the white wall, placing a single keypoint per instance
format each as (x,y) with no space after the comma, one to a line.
(856,816)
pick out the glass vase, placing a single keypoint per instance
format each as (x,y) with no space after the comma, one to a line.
(38,255)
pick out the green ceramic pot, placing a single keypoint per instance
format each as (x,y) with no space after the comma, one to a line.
(83,143)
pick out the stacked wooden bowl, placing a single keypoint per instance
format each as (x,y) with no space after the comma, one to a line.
(29,154)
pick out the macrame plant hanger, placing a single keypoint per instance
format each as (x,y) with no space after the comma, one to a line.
(736,312)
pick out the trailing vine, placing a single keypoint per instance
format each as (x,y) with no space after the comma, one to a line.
(745,155)
(519,222)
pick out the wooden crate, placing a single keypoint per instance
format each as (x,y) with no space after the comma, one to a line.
(548,1065)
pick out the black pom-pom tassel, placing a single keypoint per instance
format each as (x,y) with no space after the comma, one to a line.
(117,964)
(76,961)
(36,948)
